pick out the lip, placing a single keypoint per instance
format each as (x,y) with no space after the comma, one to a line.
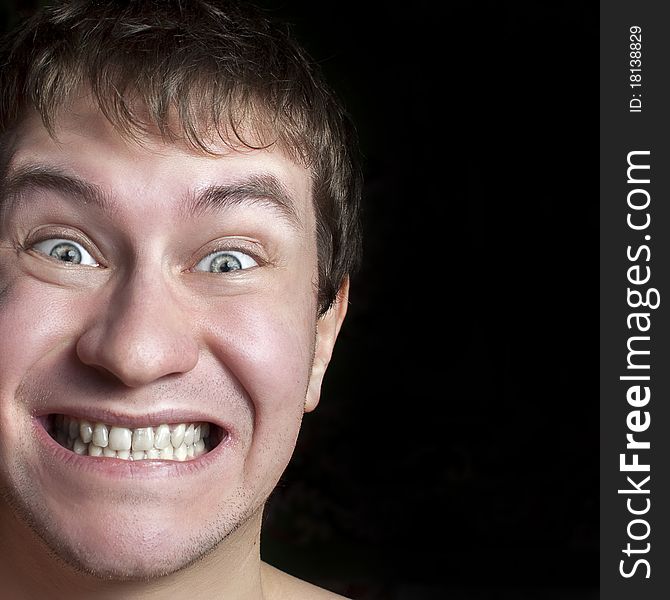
(118,469)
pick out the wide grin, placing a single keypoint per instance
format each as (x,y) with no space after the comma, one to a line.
(176,441)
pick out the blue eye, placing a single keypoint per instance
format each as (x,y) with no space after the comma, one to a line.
(225,261)
(65,251)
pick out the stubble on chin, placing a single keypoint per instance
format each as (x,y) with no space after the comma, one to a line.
(25,519)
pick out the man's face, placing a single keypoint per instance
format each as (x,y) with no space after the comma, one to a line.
(145,312)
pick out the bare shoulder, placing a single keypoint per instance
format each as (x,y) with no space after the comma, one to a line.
(282,586)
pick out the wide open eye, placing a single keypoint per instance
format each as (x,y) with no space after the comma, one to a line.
(224,261)
(65,251)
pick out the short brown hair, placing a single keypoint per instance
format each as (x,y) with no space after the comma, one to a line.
(216,65)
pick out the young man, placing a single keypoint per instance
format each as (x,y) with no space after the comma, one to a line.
(179,216)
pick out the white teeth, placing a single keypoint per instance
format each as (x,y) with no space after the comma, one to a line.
(162,437)
(94,450)
(181,442)
(188,436)
(119,438)
(153,453)
(143,438)
(100,435)
(80,447)
(85,432)
(181,453)
(177,436)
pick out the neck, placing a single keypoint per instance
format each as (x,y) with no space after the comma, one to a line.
(31,570)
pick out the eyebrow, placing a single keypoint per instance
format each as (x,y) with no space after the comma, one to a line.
(262,189)
(29,177)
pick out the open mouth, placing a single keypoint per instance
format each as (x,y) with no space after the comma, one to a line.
(167,441)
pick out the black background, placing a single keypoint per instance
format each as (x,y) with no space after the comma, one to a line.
(455,450)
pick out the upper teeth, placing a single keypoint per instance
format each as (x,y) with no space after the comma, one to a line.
(180,442)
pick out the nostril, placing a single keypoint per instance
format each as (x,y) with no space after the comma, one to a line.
(102,375)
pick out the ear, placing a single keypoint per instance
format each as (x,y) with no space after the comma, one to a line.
(327,329)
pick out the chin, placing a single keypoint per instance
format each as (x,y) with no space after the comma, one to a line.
(137,554)
(128,567)
(139,544)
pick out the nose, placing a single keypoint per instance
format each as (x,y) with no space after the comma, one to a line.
(141,335)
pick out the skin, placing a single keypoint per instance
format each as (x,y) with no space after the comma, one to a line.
(143,332)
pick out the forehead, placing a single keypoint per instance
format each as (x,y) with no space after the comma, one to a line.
(169,176)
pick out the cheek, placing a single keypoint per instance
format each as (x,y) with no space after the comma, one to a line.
(267,340)
(269,350)
(33,321)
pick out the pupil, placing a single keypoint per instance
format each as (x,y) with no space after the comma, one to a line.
(66,253)
(224,263)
